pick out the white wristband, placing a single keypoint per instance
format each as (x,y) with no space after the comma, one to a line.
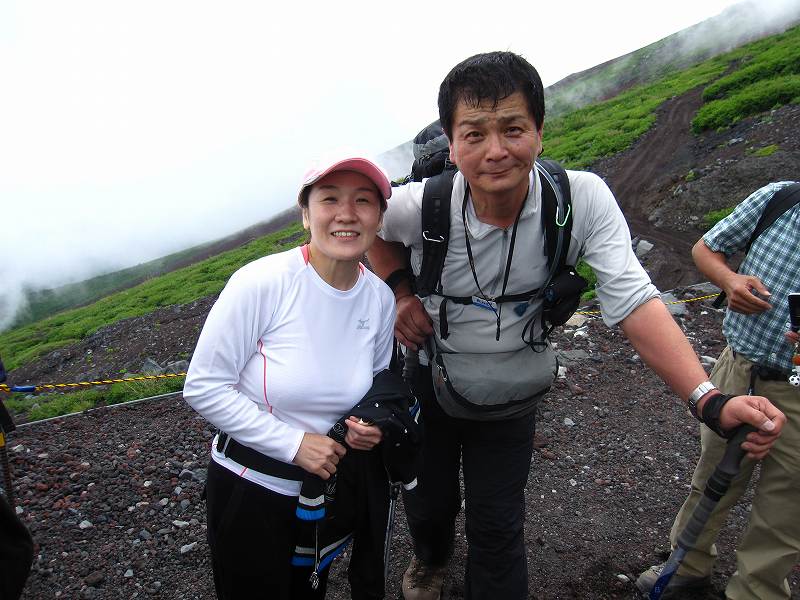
(698,392)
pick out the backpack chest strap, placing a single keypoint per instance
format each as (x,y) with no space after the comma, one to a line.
(444,330)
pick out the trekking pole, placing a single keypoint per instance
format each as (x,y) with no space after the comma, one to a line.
(717,485)
(394,492)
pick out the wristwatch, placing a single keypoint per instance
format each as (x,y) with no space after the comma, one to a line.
(395,277)
(698,392)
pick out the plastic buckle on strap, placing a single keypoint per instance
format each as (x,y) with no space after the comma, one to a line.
(427,237)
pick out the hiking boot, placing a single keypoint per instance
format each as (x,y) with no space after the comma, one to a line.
(421,582)
(678,583)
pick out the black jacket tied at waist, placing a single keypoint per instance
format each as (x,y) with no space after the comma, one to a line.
(354,502)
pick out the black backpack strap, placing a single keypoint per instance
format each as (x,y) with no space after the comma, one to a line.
(782,201)
(435,230)
(557,227)
(554,223)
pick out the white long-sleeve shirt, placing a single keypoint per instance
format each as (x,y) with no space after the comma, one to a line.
(283,353)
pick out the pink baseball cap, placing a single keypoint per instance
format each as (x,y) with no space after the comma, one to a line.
(359,165)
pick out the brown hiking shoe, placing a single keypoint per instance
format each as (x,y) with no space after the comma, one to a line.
(678,583)
(421,582)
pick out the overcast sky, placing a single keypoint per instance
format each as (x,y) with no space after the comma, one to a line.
(129,130)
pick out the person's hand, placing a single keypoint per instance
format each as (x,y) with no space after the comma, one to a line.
(319,454)
(361,435)
(413,324)
(792,337)
(741,291)
(759,412)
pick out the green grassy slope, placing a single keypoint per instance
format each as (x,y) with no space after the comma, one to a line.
(26,343)
(580,138)
(770,79)
(41,304)
(769,76)
(735,26)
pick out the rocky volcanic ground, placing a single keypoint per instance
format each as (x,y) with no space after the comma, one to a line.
(113,496)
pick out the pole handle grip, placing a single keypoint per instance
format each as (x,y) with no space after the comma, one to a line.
(733,452)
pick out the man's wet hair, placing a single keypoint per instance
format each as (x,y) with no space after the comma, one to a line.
(492,77)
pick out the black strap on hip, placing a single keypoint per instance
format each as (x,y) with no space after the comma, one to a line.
(253,459)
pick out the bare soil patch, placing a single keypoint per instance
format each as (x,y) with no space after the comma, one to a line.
(614,456)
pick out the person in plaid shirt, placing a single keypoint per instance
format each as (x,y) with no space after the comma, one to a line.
(758,359)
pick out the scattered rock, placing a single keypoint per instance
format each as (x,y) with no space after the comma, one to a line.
(151,367)
(572,357)
(642,248)
(188,547)
(676,309)
(576,321)
(94,578)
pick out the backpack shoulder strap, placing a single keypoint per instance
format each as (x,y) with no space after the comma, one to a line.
(781,201)
(555,223)
(435,230)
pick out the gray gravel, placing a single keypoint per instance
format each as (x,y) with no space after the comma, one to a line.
(113,497)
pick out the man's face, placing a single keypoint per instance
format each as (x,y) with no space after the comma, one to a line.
(495,149)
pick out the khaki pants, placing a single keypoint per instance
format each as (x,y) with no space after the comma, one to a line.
(770,547)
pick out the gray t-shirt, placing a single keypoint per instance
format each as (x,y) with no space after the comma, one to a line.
(599,234)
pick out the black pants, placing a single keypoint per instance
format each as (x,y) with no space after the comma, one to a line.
(496,457)
(251,531)
(16,553)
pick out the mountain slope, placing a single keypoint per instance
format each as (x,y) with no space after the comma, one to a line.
(40,304)
(737,25)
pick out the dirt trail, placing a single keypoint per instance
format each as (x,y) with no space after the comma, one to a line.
(653,159)
(642,175)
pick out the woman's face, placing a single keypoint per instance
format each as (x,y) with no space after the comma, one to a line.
(343,215)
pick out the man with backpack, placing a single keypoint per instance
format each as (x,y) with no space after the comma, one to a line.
(759,359)
(481,321)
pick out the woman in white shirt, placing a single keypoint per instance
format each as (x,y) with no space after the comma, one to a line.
(290,346)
